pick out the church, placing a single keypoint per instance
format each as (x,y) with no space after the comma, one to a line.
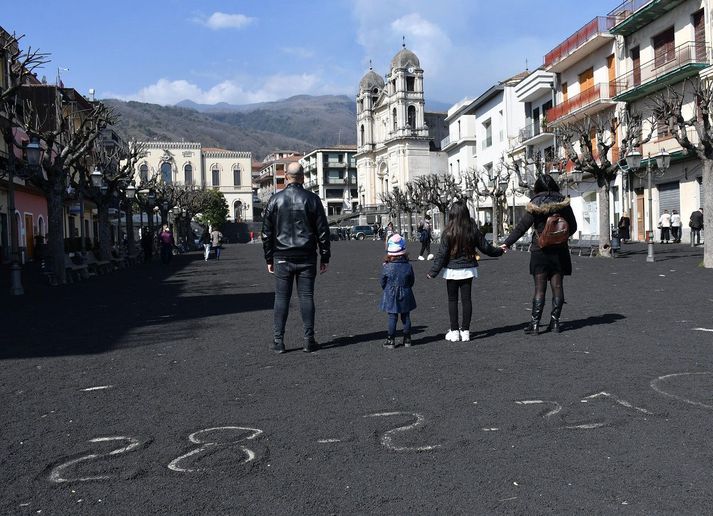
(395,142)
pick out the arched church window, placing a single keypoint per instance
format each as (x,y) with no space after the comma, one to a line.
(188,174)
(166,173)
(215,176)
(412,117)
(144,173)
(393,116)
(410,83)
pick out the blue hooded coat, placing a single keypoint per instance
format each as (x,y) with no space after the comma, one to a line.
(397,278)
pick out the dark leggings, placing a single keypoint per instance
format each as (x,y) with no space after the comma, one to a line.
(541,285)
(405,319)
(453,286)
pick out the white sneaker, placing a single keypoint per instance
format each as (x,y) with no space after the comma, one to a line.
(421,258)
(453,336)
(430,257)
(465,335)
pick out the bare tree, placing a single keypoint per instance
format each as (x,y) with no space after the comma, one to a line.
(668,106)
(595,137)
(491,184)
(21,65)
(68,134)
(438,190)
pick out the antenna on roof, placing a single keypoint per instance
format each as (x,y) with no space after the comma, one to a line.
(370,68)
(403,41)
(526,68)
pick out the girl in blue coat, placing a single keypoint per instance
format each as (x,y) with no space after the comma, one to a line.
(397,278)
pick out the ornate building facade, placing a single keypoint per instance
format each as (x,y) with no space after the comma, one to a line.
(393,140)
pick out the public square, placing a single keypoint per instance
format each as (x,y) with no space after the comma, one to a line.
(153,390)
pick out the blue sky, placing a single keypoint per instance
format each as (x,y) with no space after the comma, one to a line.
(240,51)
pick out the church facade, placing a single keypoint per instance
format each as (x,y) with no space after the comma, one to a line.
(393,141)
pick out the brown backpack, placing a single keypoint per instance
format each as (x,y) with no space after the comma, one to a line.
(555,232)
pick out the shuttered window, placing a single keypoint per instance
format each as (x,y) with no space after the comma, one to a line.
(636,65)
(699,35)
(663,47)
(669,197)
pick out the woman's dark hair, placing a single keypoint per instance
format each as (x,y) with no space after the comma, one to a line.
(460,230)
(546,183)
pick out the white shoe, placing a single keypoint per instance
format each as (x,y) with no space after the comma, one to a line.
(465,335)
(453,336)
(421,258)
(430,257)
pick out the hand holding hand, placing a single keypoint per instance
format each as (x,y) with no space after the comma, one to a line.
(270,268)
(505,248)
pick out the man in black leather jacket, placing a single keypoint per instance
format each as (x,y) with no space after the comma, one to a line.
(294,228)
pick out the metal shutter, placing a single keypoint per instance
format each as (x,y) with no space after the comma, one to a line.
(669,197)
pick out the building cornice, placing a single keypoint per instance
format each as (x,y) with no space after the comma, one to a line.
(170,145)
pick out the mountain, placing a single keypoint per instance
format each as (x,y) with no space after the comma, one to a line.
(301,123)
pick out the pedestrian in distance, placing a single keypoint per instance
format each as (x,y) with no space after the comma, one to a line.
(457,259)
(216,242)
(147,244)
(397,280)
(665,226)
(624,227)
(388,232)
(205,241)
(166,241)
(676,227)
(425,236)
(551,263)
(294,230)
(696,224)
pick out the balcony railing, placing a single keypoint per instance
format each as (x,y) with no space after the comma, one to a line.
(599,25)
(445,142)
(632,15)
(685,60)
(595,94)
(624,9)
(532,130)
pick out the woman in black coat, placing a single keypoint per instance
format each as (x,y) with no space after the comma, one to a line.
(551,263)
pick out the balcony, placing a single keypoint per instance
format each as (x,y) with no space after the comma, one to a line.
(335,164)
(685,61)
(632,15)
(538,84)
(445,142)
(448,143)
(591,100)
(583,42)
(534,133)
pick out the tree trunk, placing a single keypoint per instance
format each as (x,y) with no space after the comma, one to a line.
(708,213)
(410,225)
(55,232)
(495,222)
(104,229)
(129,228)
(604,230)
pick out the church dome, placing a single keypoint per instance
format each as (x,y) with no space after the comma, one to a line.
(370,81)
(405,59)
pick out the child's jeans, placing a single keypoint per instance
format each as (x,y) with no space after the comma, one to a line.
(405,319)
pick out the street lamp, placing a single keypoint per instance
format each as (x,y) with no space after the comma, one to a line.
(663,161)
(96,177)
(34,152)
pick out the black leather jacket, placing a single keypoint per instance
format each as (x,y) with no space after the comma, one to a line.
(294,225)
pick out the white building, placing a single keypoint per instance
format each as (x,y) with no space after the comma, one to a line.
(192,164)
(331,173)
(393,141)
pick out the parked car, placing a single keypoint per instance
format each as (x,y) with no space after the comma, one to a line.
(361,232)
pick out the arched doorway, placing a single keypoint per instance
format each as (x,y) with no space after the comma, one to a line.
(238,211)
(166,173)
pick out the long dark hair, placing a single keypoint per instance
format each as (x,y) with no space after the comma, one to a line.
(460,230)
(546,183)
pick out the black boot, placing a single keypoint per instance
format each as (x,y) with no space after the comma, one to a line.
(407,341)
(554,325)
(390,343)
(533,327)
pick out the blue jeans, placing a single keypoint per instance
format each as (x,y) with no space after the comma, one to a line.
(405,319)
(286,274)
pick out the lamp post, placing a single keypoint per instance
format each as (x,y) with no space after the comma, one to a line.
(663,161)
(130,195)
(33,152)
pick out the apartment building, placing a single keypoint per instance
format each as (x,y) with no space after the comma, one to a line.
(331,173)
(271,178)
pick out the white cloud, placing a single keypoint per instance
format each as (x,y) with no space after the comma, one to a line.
(300,52)
(265,89)
(218,21)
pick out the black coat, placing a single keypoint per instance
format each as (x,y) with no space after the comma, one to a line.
(541,206)
(462,261)
(294,225)
(696,221)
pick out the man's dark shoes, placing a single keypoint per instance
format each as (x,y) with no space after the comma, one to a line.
(310,346)
(278,346)
(390,343)
(407,341)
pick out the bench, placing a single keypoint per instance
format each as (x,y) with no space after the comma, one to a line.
(75,271)
(586,244)
(97,266)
